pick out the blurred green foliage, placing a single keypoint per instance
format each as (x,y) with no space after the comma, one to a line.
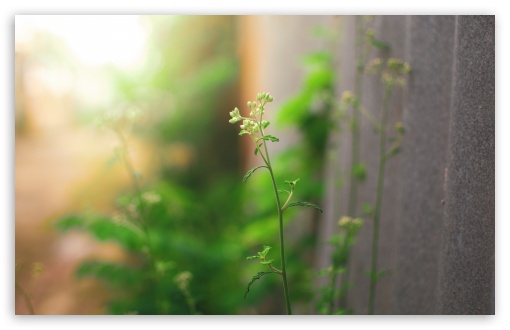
(190,77)
(206,220)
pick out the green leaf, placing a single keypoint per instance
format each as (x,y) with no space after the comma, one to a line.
(359,172)
(252,257)
(256,277)
(292,183)
(320,58)
(393,151)
(367,208)
(103,229)
(243,132)
(381,45)
(70,222)
(257,149)
(250,172)
(320,79)
(295,110)
(267,262)
(115,274)
(264,252)
(305,204)
(271,138)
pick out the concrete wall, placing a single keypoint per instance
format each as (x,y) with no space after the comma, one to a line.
(437,222)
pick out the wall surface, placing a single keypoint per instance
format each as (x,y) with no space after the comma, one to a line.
(438,220)
(438,217)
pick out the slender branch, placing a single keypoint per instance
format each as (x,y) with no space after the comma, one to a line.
(280,220)
(136,186)
(26,298)
(377,210)
(288,199)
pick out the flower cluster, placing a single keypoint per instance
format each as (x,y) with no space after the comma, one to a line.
(236,116)
(253,124)
(396,70)
(182,280)
(350,223)
(393,75)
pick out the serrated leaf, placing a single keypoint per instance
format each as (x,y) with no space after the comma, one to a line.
(252,257)
(270,138)
(264,252)
(256,277)
(250,172)
(267,262)
(307,204)
(292,183)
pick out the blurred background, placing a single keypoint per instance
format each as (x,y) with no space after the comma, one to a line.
(126,117)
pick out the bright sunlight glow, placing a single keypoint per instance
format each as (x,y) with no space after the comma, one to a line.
(93,39)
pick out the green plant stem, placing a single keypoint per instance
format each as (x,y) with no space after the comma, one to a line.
(136,186)
(379,193)
(333,289)
(358,90)
(26,298)
(280,220)
(189,301)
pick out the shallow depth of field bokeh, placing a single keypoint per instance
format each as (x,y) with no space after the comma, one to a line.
(118,116)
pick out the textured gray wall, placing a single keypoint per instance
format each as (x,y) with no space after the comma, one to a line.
(437,223)
(467,264)
(419,205)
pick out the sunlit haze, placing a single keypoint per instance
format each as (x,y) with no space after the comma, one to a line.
(93,39)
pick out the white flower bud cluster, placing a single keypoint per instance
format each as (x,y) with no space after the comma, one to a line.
(349,223)
(236,116)
(182,280)
(251,125)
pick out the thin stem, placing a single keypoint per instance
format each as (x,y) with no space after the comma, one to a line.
(377,210)
(136,186)
(288,200)
(280,220)
(189,301)
(332,293)
(358,90)
(26,298)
